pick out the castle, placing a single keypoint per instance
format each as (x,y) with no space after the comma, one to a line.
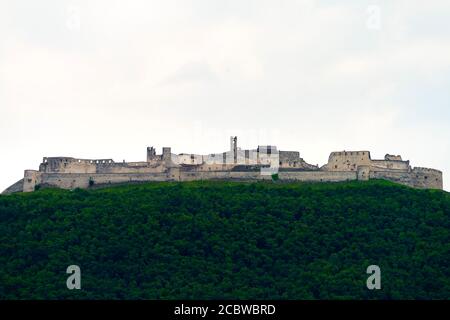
(236,164)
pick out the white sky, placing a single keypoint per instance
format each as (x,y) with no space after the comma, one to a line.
(106,79)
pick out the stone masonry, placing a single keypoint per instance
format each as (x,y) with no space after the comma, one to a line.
(235,164)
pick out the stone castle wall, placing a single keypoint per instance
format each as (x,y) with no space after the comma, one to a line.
(83,180)
(236,164)
(347,160)
(416,178)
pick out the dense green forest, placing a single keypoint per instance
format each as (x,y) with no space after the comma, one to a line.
(227,240)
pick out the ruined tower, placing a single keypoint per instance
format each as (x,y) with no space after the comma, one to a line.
(233,148)
(151,154)
(167,156)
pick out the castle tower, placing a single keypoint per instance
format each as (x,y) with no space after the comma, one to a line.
(151,154)
(233,148)
(167,156)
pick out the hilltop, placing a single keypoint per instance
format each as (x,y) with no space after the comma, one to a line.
(234,165)
(224,240)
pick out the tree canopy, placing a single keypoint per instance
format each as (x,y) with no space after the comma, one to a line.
(227,240)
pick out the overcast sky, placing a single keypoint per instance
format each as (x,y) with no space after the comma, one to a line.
(106,79)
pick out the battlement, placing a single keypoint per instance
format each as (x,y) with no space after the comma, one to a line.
(391,157)
(422,169)
(63,160)
(350,153)
(236,163)
(72,165)
(347,160)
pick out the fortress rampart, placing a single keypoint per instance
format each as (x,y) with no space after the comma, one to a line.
(235,164)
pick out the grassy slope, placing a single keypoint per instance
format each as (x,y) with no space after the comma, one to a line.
(204,240)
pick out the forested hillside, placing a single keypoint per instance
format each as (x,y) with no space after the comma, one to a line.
(227,240)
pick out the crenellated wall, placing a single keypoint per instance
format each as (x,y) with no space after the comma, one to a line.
(390,164)
(71,165)
(422,178)
(347,160)
(392,167)
(83,180)
(418,177)
(70,173)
